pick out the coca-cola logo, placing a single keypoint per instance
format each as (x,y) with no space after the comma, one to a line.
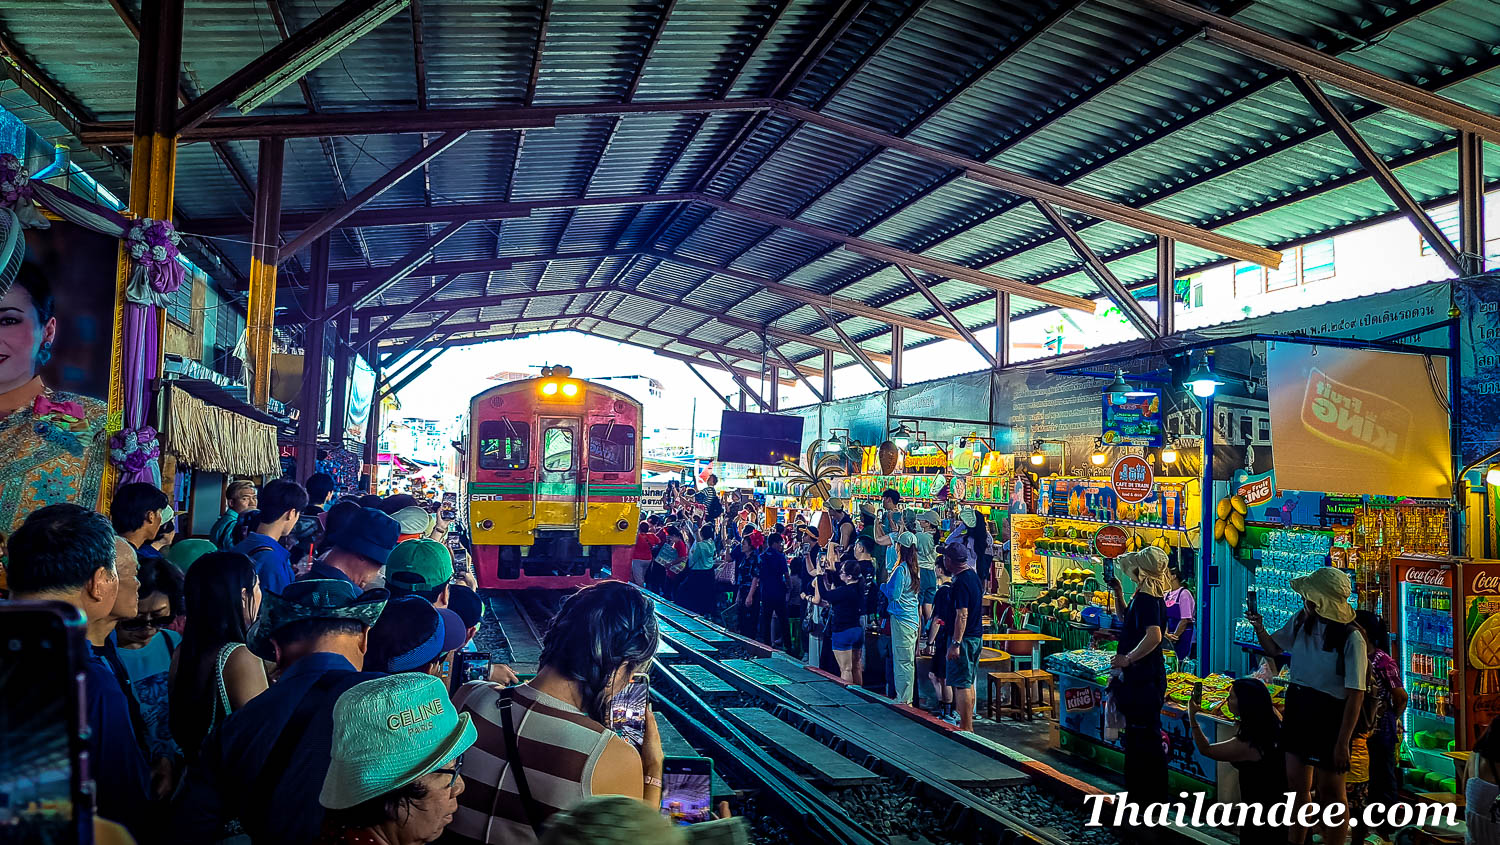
(1484,582)
(1429,577)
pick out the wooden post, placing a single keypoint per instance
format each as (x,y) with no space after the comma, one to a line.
(310,412)
(343,367)
(264,254)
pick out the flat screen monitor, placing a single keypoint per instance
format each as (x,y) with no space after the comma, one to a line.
(746,438)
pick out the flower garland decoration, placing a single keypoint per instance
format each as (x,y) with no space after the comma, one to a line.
(17,194)
(153,250)
(133,451)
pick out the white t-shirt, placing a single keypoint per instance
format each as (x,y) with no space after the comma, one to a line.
(1313,667)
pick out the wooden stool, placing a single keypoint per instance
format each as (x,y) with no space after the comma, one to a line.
(1043,681)
(1020,703)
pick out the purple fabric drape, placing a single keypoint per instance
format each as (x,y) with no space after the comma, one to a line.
(139,362)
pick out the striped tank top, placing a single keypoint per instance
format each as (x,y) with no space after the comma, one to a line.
(559,746)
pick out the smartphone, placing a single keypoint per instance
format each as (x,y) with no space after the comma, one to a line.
(627,710)
(1197,693)
(1250,605)
(45,787)
(469,666)
(1109,571)
(686,789)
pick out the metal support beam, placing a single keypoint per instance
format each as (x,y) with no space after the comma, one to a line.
(948,315)
(807,297)
(898,354)
(431,329)
(310,406)
(412,375)
(854,349)
(1318,65)
(797,371)
(773,386)
(728,406)
(883,252)
(1471,202)
(323,225)
(1041,189)
(1105,278)
(343,356)
(684,339)
(261,316)
(343,124)
(402,268)
(1378,170)
(827,391)
(740,380)
(1002,330)
(287,60)
(415,305)
(1166,286)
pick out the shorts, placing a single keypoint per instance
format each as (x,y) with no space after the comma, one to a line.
(849,639)
(1359,761)
(928,585)
(939,668)
(1310,727)
(960,670)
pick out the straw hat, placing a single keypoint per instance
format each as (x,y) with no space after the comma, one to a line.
(387,733)
(835,504)
(1147,568)
(1328,589)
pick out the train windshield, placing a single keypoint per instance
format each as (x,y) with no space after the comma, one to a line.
(611,448)
(557,449)
(504,444)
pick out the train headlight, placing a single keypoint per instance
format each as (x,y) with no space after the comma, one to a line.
(570,389)
(549,388)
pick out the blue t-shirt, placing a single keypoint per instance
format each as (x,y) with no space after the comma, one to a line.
(902,596)
(122,781)
(273,563)
(148,667)
(772,572)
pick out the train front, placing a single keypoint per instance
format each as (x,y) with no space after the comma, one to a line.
(554,482)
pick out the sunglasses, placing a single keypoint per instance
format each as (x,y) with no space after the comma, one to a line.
(458,764)
(140,623)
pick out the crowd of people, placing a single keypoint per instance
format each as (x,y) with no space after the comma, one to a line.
(290,678)
(830,586)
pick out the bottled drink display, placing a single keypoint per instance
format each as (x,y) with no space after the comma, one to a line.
(1285,555)
(1427,643)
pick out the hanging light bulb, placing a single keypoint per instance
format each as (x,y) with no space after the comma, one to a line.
(1492,477)
(1120,390)
(902,437)
(1202,381)
(1038,457)
(1099,457)
(1169,454)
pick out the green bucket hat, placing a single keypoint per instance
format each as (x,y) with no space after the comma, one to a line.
(185,553)
(315,598)
(387,733)
(418,566)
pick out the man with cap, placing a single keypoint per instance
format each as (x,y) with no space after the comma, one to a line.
(928,522)
(415,522)
(422,567)
(358,548)
(843,526)
(265,765)
(414,636)
(1329,674)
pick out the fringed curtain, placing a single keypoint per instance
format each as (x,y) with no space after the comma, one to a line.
(210,438)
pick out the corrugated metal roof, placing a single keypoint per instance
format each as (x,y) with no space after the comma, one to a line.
(1098,95)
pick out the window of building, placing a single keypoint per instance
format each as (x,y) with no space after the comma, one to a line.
(1285,276)
(180,303)
(1317,260)
(504,444)
(1249,279)
(1446,219)
(557,449)
(611,448)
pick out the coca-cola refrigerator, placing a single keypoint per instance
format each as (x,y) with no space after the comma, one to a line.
(1445,636)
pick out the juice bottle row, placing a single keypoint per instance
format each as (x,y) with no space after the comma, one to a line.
(1429,698)
(1430,598)
(1431,665)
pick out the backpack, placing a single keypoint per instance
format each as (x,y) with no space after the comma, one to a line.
(1372,706)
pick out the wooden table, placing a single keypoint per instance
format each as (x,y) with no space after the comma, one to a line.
(1032,637)
(1460,764)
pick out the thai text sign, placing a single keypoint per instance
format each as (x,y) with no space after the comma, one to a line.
(1132,479)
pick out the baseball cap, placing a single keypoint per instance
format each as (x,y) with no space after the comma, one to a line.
(418,566)
(413,520)
(410,634)
(466,603)
(388,732)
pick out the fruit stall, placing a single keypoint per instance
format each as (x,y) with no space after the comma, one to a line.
(1082,677)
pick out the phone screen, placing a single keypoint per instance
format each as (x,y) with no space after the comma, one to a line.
(1197,693)
(627,710)
(41,794)
(1109,571)
(1250,603)
(686,791)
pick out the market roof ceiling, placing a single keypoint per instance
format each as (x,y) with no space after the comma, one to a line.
(649,225)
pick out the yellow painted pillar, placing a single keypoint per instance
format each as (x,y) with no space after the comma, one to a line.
(264,256)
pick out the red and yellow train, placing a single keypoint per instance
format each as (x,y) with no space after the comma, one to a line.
(552,467)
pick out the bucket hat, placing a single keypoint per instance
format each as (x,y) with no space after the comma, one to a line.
(418,566)
(387,733)
(368,533)
(1147,567)
(316,598)
(930,516)
(1328,589)
(970,517)
(906,538)
(836,504)
(411,633)
(414,520)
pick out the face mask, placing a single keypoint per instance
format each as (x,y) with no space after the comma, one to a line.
(166,514)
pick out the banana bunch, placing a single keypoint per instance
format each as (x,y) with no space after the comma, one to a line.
(1136,543)
(1230,524)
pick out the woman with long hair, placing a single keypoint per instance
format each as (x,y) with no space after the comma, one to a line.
(844,594)
(550,743)
(900,590)
(1140,688)
(1181,612)
(213,673)
(1254,751)
(1330,665)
